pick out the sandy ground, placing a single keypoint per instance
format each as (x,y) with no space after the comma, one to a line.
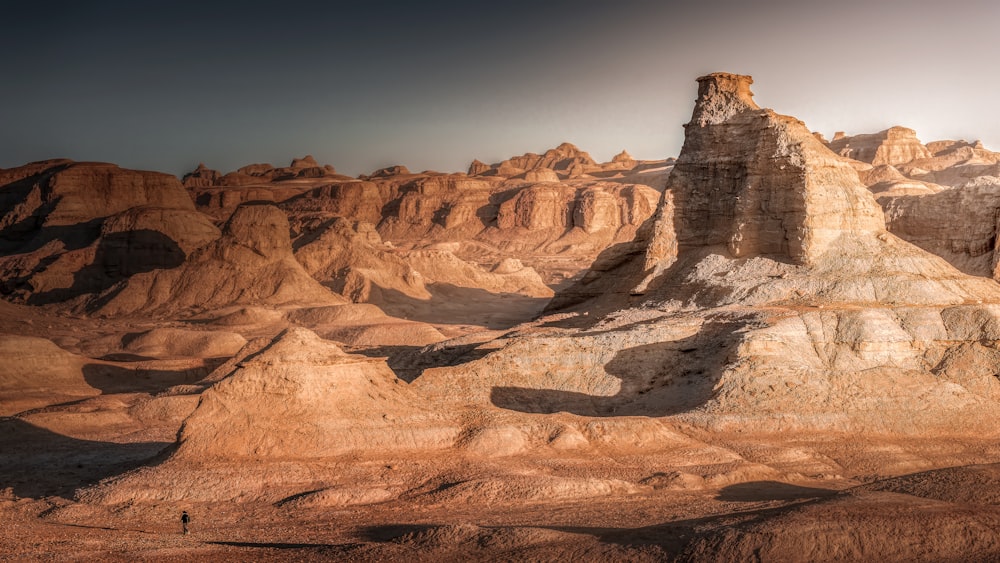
(782,502)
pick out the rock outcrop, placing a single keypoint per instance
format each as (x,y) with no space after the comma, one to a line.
(66,193)
(388,171)
(300,399)
(958,224)
(566,159)
(778,301)
(78,228)
(352,261)
(39,372)
(303,397)
(251,263)
(894,146)
(624,160)
(760,183)
(201,177)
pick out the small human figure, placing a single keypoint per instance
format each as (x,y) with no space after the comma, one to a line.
(185,520)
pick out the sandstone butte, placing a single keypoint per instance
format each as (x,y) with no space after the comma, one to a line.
(782,349)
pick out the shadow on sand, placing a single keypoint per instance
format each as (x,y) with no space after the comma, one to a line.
(452,304)
(119,379)
(37,463)
(759,491)
(118,257)
(657,379)
(408,362)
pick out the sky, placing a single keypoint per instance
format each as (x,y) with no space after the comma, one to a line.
(164,85)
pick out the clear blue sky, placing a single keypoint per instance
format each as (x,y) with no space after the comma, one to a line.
(431,85)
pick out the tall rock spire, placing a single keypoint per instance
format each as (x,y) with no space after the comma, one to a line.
(760,183)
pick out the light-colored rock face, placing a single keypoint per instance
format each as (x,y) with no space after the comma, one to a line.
(759,183)
(939,197)
(721,96)
(958,224)
(596,210)
(896,145)
(304,398)
(537,207)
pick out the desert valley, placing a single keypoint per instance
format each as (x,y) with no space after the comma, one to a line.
(770,347)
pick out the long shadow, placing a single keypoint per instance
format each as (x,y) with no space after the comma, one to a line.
(408,362)
(607,284)
(452,304)
(119,379)
(37,463)
(272,545)
(312,233)
(758,491)
(118,257)
(390,532)
(658,379)
(671,537)
(674,536)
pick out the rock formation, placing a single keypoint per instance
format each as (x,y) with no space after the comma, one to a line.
(39,372)
(251,263)
(958,224)
(784,195)
(624,160)
(65,193)
(477,167)
(395,170)
(566,159)
(896,145)
(300,399)
(941,199)
(354,263)
(77,228)
(771,293)
(201,177)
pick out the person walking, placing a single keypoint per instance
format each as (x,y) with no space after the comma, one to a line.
(185,520)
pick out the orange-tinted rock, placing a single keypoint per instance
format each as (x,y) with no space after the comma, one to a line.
(201,177)
(624,160)
(894,146)
(305,162)
(251,264)
(69,193)
(359,200)
(396,170)
(478,167)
